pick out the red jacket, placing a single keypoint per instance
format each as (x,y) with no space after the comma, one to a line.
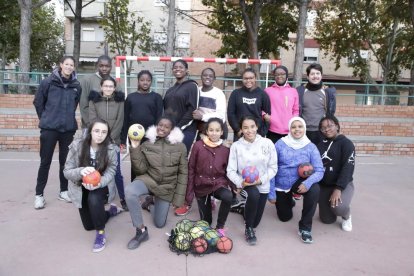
(206,170)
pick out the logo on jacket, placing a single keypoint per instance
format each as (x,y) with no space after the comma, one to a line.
(249,101)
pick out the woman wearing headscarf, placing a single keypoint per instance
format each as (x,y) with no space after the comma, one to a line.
(293,150)
(284,104)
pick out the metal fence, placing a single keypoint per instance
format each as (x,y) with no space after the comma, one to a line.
(347,93)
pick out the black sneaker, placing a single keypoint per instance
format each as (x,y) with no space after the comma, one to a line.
(124,205)
(306,236)
(250,236)
(139,237)
(147,202)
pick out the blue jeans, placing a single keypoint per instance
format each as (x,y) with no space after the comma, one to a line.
(119,179)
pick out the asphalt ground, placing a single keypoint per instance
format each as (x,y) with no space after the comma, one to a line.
(52,241)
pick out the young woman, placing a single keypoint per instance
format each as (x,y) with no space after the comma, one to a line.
(108,105)
(181,100)
(142,107)
(55,102)
(293,150)
(207,174)
(252,150)
(248,100)
(95,152)
(160,164)
(337,187)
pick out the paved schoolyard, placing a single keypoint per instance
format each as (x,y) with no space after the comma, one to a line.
(52,241)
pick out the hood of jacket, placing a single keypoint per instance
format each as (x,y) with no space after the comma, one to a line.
(96,96)
(176,135)
(58,78)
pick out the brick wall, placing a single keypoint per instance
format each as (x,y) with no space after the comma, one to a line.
(370,122)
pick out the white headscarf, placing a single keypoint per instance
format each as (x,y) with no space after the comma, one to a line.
(296,143)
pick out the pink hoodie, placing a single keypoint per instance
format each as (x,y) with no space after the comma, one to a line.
(284,103)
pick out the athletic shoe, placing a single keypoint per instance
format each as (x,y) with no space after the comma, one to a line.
(114,210)
(347,224)
(183,210)
(296,196)
(39,202)
(250,236)
(221,232)
(238,210)
(149,200)
(139,237)
(124,205)
(306,236)
(237,203)
(100,241)
(64,196)
(243,194)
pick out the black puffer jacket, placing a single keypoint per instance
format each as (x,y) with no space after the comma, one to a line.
(56,102)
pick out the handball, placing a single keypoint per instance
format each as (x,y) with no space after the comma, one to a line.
(212,237)
(183,241)
(305,170)
(202,223)
(136,132)
(94,178)
(200,245)
(250,174)
(197,231)
(224,245)
(183,226)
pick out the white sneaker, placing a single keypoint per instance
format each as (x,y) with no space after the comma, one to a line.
(64,196)
(347,224)
(39,202)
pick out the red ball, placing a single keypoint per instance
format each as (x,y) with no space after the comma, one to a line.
(93,178)
(305,170)
(200,245)
(250,174)
(224,245)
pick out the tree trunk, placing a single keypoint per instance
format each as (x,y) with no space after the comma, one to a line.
(2,68)
(77,24)
(25,35)
(411,89)
(170,45)
(300,43)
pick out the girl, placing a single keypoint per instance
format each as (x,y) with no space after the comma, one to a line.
(95,152)
(55,102)
(142,107)
(207,174)
(293,150)
(337,188)
(248,100)
(108,105)
(160,164)
(252,150)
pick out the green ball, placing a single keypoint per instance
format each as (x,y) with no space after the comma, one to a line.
(197,231)
(202,223)
(183,241)
(212,237)
(184,225)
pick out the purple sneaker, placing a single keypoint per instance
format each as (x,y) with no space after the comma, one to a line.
(114,210)
(100,241)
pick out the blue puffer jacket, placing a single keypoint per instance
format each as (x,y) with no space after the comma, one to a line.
(56,101)
(288,161)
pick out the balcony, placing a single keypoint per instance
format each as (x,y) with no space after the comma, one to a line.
(90,50)
(91,11)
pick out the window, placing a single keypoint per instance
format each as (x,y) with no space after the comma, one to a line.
(160,38)
(183,40)
(159,75)
(363,53)
(88,34)
(311,55)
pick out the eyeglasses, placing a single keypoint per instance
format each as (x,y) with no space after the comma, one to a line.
(280,75)
(323,129)
(98,131)
(108,86)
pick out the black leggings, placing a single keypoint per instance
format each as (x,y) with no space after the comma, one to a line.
(254,206)
(285,203)
(204,206)
(92,213)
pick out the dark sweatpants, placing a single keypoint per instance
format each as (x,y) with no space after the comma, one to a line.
(204,206)
(92,213)
(328,214)
(254,206)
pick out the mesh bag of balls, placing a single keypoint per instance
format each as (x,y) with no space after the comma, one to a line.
(197,238)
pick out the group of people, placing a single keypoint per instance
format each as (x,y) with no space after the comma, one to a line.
(185,155)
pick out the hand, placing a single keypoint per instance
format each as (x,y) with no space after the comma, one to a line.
(335,198)
(122,147)
(135,143)
(87,170)
(197,114)
(266,117)
(257,182)
(91,187)
(239,133)
(302,189)
(272,201)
